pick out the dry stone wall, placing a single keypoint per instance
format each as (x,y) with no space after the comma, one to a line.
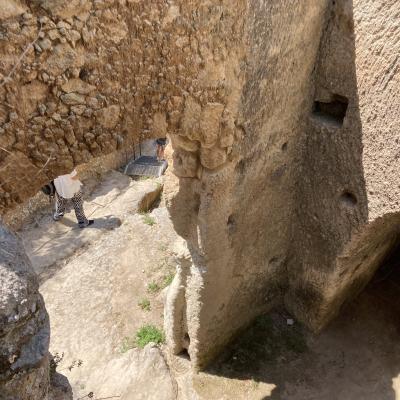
(80,79)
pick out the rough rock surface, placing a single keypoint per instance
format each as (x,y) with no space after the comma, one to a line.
(80,79)
(24,326)
(108,204)
(347,208)
(241,194)
(359,351)
(302,207)
(93,293)
(284,122)
(142,375)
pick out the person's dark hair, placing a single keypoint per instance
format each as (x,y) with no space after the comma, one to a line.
(49,189)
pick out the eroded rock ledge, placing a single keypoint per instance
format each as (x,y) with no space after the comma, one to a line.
(24,326)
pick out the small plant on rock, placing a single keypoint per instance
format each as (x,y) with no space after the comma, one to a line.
(149,334)
(148,219)
(168,279)
(144,304)
(55,361)
(153,287)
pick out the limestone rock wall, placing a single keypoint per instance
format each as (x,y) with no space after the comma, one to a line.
(303,209)
(331,199)
(347,204)
(24,326)
(235,204)
(282,116)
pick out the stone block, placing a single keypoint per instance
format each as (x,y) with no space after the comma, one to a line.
(108,117)
(78,86)
(185,164)
(212,158)
(210,124)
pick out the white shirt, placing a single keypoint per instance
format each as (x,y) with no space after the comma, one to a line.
(67,187)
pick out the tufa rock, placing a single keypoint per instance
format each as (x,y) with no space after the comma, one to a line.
(65,9)
(210,124)
(212,158)
(185,164)
(184,143)
(62,58)
(72,98)
(11,8)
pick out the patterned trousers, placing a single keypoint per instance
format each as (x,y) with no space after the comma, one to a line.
(77,202)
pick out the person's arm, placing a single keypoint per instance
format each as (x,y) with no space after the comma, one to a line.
(74,175)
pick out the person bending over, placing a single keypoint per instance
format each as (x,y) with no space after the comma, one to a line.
(68,188)
(161,143)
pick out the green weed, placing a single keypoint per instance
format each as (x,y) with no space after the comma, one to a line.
(148,219)
(147,334)
(145,305)
(153,287)
(168,279)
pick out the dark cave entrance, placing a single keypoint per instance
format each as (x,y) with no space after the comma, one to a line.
(385,284)
(333,111)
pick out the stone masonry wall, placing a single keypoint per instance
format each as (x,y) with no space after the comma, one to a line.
(79,79)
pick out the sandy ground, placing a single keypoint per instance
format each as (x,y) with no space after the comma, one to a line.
(356,358)
(94,279)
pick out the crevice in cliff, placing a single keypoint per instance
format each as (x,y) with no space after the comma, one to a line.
(333,111)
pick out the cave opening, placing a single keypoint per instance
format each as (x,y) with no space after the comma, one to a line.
(331,111)
(384,286)
(374,309)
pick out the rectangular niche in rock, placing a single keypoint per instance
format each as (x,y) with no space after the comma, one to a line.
(332,112)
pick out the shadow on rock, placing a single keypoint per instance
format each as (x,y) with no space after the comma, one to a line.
(60,389)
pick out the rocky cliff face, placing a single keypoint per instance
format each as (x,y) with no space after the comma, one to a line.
(303,210)
(284,127)
(237,209)
(347,210)
(24,326)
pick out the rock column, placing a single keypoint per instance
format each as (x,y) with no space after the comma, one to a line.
(24,326)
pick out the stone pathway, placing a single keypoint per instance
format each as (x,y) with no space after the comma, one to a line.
(93,280)
(48,243)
